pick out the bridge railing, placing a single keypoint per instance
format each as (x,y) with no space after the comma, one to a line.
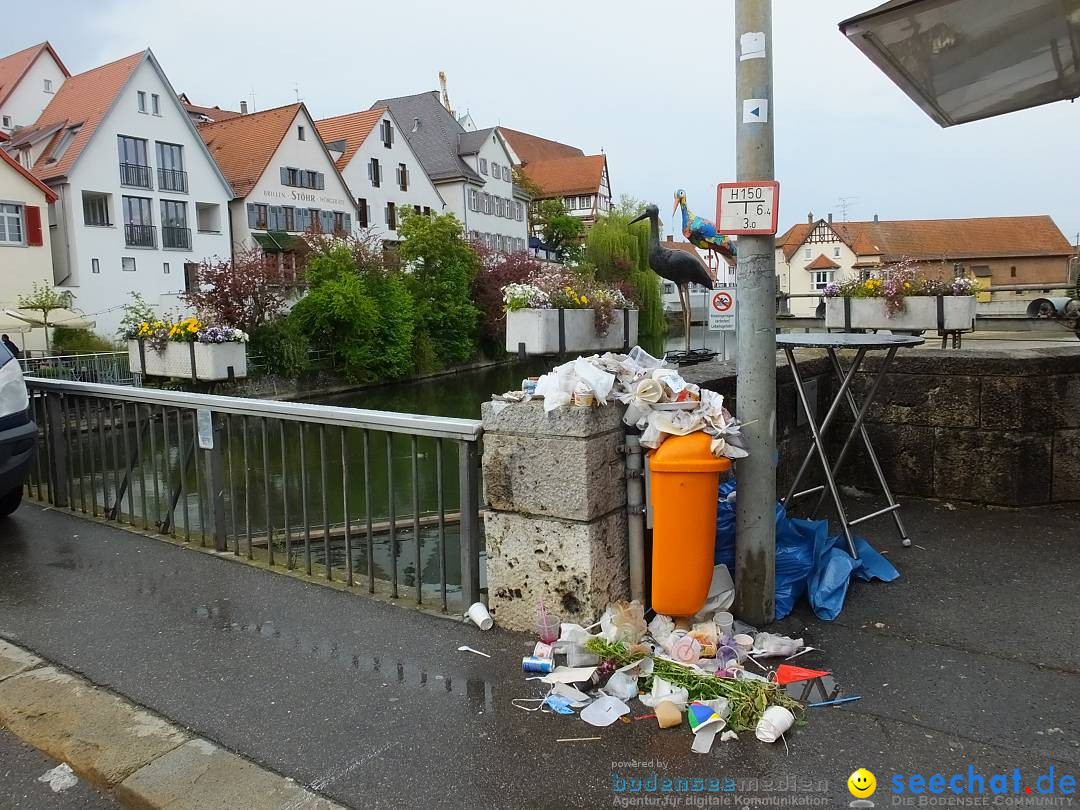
(111,368)
(390,500)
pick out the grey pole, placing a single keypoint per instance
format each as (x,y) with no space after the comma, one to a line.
(755,515)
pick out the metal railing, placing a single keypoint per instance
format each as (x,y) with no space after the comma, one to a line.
(140,236)
(135,174)
(173,237)
(111,368)
(349,495)
(172,180)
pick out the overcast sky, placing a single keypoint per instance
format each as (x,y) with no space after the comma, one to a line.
(652,87)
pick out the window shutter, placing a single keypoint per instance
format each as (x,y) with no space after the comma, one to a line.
(320,180)
(348,224)
(33,226)
(284,176)
(327,221)
(386,215)
(303,219)
(276,214)
(405,172)
(251,215)
(369,175)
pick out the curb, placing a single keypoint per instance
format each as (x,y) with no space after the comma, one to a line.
(141,758)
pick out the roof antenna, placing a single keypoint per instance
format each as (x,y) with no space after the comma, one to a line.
(296,89)
(253,99)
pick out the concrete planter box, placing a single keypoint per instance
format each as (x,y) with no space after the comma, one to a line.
(920,313)
(538,329)
(212,360)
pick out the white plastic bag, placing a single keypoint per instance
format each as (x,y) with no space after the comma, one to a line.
(661,691)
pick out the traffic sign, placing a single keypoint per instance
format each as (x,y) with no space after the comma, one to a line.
(722,309)
(748,208)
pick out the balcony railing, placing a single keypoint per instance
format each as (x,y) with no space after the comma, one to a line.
(135,174)
(172,180)
(172,237)
(140,236)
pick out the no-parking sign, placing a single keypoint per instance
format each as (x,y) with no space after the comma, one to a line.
(722,309)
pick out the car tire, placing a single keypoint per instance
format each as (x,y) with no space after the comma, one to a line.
(10,501)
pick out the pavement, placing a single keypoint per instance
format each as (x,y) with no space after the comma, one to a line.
(21,788)
(969,659)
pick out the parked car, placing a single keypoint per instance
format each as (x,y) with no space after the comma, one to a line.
(17,433)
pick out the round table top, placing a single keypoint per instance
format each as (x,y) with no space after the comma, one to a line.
(847,340)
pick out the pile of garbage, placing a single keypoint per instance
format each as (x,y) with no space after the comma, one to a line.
(659,402)
(709,670)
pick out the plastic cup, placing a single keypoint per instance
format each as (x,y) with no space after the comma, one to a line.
(548,628)
(744,641)
(667,714)
(724,621)
(478,614)
(773,723)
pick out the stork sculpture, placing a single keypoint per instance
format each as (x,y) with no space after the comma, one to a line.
(676,266)
(701,232)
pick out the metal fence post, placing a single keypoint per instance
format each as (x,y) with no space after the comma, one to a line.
(469,478)
(57,452)
(215,482)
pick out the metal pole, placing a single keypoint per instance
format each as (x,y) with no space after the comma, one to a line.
(755,507)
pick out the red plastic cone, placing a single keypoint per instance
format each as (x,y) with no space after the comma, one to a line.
(786,673)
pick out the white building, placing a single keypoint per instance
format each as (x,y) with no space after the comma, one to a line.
(140,202)
(28,81)
(471,170)
(286,182)
(381,169)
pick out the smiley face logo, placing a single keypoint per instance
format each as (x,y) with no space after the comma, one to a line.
(862,783)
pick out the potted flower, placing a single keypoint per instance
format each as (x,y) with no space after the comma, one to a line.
(595,316)
(168,349)
(904,301)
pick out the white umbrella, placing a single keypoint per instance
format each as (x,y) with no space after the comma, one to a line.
(57,317)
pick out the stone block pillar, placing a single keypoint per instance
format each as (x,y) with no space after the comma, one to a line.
(555,522)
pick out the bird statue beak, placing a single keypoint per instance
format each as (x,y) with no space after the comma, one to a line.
(676,208)
(639,217)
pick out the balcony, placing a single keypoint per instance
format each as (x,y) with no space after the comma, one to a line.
(172,180)
(173,237)
(135,174)
(143,235)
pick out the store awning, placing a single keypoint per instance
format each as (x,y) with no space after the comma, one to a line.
(57,317)
(9,325)
(964,60)
(275,241)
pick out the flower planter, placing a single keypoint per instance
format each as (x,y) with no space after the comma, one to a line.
(212,360)
(920,314)
(538,329)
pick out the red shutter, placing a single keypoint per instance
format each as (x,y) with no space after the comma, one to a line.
(33,226)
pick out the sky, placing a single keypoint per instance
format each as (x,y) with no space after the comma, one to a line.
(650,84)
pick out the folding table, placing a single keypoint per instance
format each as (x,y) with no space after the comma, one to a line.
(831,342)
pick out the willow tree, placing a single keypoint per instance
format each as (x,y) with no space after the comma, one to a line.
(620,252)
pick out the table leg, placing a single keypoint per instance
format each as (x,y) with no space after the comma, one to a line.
(819,444)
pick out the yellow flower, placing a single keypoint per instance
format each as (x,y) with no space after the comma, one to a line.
(584,300)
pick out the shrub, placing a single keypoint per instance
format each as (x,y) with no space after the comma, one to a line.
(245,291)
(79,341)
(282,347)
(496,272)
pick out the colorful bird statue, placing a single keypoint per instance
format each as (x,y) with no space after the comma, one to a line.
(700,232)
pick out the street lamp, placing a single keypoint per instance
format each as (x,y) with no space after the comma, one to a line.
(963,60)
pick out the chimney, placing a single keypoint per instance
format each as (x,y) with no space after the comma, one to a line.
(810,218)
(243,108)
(875,218)
(830,218)
(670,238)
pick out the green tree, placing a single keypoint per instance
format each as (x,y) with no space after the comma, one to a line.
(442,266)
(560,231)
(44,299)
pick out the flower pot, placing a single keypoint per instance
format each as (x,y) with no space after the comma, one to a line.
(920,314)
(212,360)
(538,329)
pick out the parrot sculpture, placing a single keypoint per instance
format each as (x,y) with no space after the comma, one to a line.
(700,232)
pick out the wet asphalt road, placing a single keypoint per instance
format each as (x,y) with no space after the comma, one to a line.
(975,662)
(20,767)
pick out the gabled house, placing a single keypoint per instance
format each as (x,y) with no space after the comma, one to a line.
(563,172)
(286,183)
(28,81)
(472,170)
(381,169)
(992,250)
(140,202)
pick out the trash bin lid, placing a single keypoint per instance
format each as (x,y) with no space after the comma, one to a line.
(689,453)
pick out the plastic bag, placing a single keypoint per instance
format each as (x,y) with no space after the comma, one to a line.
(661,691)
(624,621)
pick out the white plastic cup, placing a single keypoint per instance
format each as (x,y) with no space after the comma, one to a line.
(725,622)
(773,723)
(478,614)
(744,641)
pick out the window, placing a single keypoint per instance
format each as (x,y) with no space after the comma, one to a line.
(374,173)
(339,222)
(806,252)
(487,203)
(155,104)
(261,216)
(134,166)
(416,208)
(171,174)
(95,266)
(391,216)
(569,202)
(96,209)
(191,277)
(7,122)
(520,212)
(127,264)
(11,224)
(362,211)
(165,268)
(483,166)
(403,177)
(315,218)
(507,175)
(427,211)
(142,101)
(289,218)
(300,133)
(174,227)
(1012,271)
(836,252)
(386,130)
(208,217)
(822,279)
(138,222)
(48,85)
(474,199)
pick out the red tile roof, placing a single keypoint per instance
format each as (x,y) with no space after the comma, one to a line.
(243,146)
(82,99)
(353,128)
(213,113)
(530,148)
(48,192)
(14,67)
(572,175)
(822,263)
(793,237)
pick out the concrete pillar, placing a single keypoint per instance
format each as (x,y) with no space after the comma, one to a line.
(555,522)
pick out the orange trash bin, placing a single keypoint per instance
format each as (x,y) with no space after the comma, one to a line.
(684,479)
